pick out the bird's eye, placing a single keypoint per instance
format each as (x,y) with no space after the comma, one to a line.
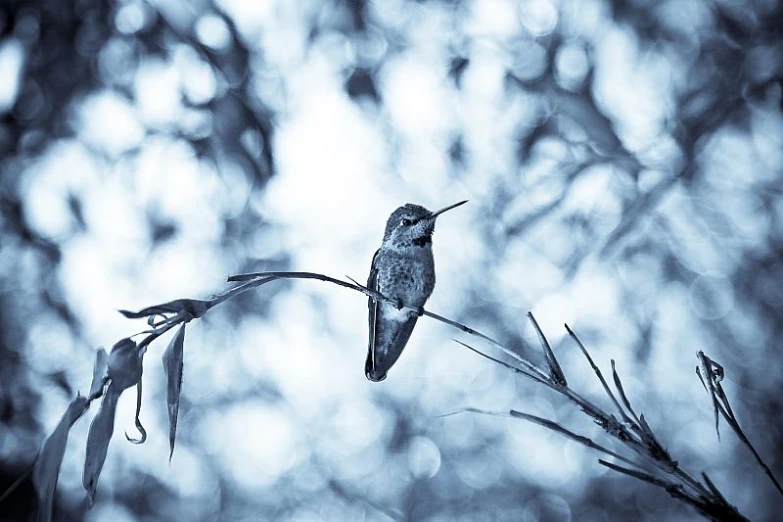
(406,222)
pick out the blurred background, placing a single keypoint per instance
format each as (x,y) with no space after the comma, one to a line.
(623,165)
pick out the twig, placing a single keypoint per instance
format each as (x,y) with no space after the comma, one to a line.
(635,434)
(713,375)
(266,276)
(581,439)
(532,376)
(717,512)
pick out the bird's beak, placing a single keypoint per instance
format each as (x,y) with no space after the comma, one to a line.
(441,211)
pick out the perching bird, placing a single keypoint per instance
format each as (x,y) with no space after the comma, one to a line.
(402,270)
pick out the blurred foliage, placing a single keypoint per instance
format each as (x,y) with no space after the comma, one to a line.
(71,50)
(689,206)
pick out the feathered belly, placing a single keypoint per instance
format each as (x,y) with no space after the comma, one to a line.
(390,313)
(412,282)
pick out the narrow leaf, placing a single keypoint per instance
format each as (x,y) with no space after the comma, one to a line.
(555,371)
(172,364)
(714,374)
(714,490)
(193,307)
(641,475)
(98,439)
(581,439)
(698,374)
(655,448)
(514,369)
(123,370)
(674,489)
(47,467)
(474,410)
(137,421)
(706,369)
(99,372)
(598,373)
(552,425)
(619,385)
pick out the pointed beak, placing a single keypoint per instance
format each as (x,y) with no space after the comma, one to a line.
(441,211)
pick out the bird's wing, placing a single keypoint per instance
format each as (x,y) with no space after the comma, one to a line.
(372,280)
(372,284)
(388,334)
(387,341)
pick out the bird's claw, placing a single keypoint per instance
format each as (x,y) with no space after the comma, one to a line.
(399,304)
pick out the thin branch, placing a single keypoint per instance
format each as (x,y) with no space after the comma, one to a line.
(713,374)
(520,371)
(233,292)
(641,440)
(674,489)
(475,410)
(581,439)
(253,276)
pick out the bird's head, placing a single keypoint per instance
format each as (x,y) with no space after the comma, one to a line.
(412,226)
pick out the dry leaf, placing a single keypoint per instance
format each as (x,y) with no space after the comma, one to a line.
(172,363)
(47,467)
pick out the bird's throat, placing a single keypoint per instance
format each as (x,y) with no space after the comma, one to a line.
(423,240)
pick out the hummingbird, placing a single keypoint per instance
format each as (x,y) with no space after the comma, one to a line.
(402,270)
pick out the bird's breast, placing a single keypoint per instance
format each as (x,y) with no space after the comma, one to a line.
(409,278)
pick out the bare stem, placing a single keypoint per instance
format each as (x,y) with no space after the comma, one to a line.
(263,277)
(711,380)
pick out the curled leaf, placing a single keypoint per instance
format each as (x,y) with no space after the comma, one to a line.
(124,370)
(124,366)
(98,439)
(172,364)
(99,372)
(152,319)
(47,467)
(139,426)
(708,381)
(192,307)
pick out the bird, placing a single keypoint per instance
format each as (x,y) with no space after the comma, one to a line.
(402,270)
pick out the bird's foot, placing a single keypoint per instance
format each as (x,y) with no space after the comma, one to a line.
(420,311)
(399,304)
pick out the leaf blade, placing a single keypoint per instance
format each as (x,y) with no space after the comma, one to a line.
(555,370)
(99,372)
(123,370)
(124,364)
(47,466)
(98,438)
(193,307)
(173,364)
